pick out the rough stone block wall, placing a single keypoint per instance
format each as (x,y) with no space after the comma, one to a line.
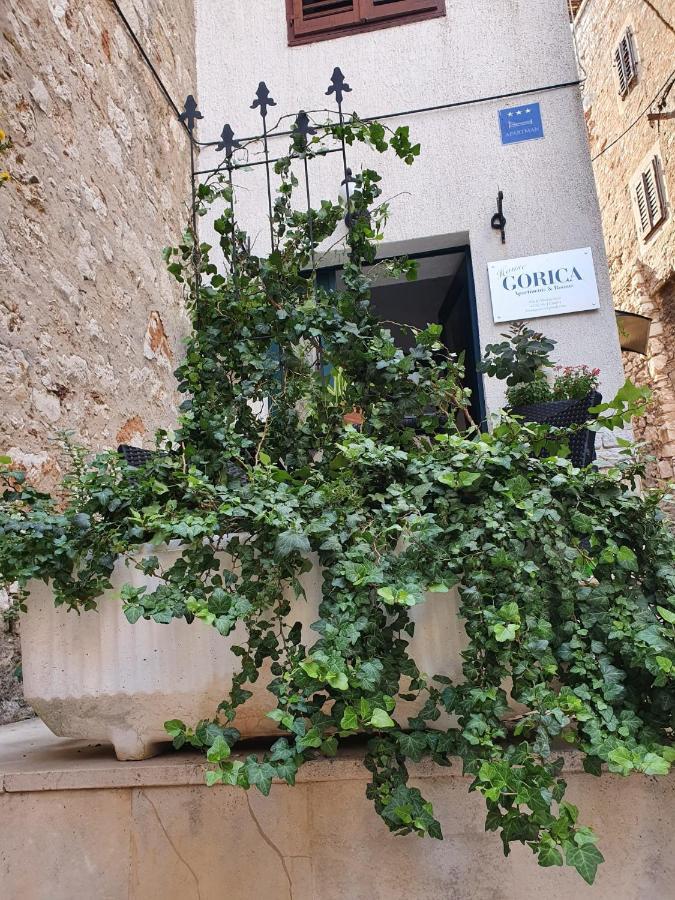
(642,272)
(90,323)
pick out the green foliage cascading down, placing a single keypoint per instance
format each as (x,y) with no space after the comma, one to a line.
(566,577)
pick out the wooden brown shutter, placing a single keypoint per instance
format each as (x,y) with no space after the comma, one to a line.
(317,16)
(624,62)
(620,74)
(310,20)
(649,200)
(642,211)
(375,10)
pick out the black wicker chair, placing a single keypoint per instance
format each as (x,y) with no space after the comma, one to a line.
(137,457)
(564,414)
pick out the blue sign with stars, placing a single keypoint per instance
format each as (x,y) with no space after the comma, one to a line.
(521,123)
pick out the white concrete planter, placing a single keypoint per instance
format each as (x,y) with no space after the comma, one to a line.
(95,676)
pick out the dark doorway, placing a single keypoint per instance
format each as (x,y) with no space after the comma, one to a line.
(442,294)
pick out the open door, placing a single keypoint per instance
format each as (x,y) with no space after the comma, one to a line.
(442,294)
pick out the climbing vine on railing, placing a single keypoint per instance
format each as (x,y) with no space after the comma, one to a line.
(565,577)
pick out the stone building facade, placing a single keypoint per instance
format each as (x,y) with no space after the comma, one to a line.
(90,322)
(630,112)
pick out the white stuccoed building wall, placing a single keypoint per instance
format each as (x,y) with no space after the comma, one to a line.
(447,198)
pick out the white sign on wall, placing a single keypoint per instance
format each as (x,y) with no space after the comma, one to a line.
(548,285)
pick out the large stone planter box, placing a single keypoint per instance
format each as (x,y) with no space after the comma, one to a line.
(95,676)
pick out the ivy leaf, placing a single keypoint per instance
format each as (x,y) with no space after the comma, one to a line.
(620,760)
(439,587)
(666,614)
(311,739)
(260,775)
(654,765)
(291,542)
(466,478)
(174,727)
(381,719)
(349,721)
(219,750)
(401,596)
(584,859)
(230,771)
(505,633)
(509,612)
(133,613)
(287,769)
(549,856)
(627,559)
(412,745)
(369,674)
(332,542)
(337,680)
(281,716)
(593,765)
(162,617)
(329,747)
(310,668)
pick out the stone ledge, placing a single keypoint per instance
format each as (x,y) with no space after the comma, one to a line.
(33,759)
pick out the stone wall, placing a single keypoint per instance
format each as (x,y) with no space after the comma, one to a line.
(90,322)
(642,272)
(153,829)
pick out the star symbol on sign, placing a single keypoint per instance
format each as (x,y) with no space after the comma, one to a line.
(519,112)
(528,110)
(510,114)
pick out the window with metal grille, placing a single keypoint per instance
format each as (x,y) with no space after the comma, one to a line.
(649,200)
(625,64)
(315,20)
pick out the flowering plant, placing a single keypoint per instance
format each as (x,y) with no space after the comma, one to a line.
(574,382)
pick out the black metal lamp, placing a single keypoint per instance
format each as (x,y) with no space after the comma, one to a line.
(633,331)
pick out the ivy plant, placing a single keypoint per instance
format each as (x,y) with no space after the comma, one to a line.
(565,577)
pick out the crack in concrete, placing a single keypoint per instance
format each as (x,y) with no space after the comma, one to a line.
(173,846)
(270,843)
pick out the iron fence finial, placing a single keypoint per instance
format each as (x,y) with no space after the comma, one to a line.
(228,142)
(301,130)
(190,113)
(338,85)
(263,99)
